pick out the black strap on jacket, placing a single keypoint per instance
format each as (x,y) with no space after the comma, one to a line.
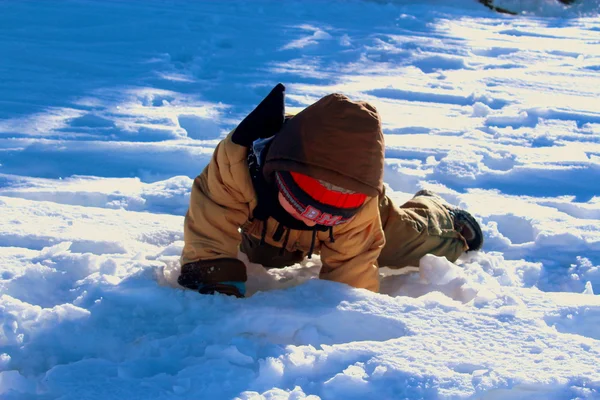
(264,121)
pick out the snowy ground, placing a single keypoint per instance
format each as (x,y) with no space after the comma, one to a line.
(109,109)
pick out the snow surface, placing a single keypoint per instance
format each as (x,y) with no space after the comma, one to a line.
(109,109)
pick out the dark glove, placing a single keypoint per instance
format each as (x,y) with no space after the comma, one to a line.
(223,275)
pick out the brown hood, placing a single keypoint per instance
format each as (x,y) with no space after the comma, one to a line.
(335,139)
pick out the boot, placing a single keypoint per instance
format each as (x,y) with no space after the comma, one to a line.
(468,227)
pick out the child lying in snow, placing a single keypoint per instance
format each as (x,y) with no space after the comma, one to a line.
(282,188)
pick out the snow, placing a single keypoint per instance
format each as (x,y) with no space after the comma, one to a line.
(108,110)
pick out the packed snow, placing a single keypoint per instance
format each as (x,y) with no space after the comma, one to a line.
(109,109)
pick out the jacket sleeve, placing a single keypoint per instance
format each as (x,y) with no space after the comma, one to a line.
(219,204)
(352,258)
